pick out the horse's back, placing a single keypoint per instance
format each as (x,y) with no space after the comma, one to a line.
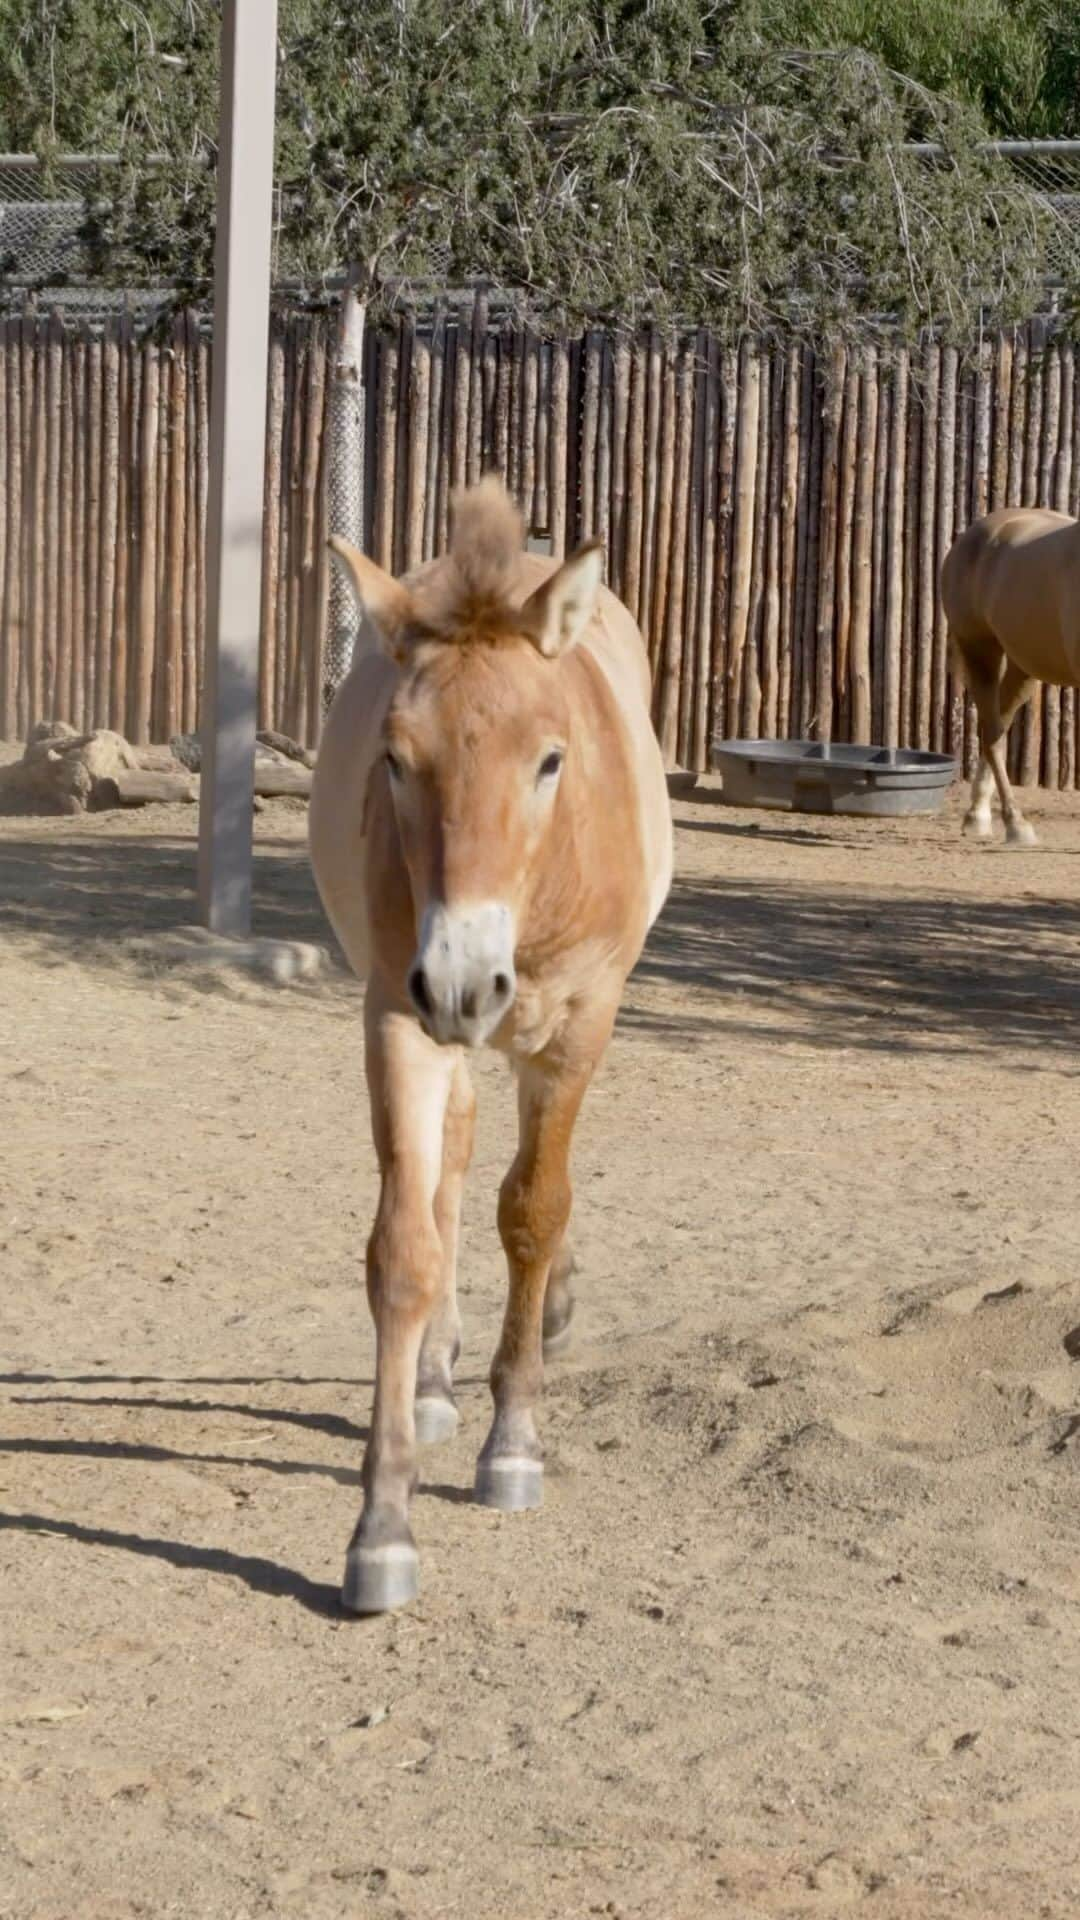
(1010,578)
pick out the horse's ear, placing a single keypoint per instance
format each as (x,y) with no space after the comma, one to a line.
(383,600)
(558,612)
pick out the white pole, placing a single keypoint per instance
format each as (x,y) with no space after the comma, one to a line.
(237,458)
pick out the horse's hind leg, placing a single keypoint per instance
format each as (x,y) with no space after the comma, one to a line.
(534,1209)
(435,1412)
(409,1079)
(998,697)
(1014,689)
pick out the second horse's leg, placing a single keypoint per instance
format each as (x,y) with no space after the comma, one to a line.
(534,1208)
(436,1412)
(409,1080)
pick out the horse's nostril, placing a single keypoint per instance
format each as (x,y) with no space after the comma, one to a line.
(500,986)
(420,991)
(468,1004)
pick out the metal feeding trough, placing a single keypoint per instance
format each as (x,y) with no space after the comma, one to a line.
(814,776)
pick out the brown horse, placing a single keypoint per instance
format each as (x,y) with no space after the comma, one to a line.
(1010,587)
(491,836)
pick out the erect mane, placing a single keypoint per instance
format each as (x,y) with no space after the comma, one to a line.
(472,595)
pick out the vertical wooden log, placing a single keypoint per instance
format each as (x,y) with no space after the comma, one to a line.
(110,464)
(11,636)
(635,479)
(789,534)
(845,516)
(488,462)
(192,655)
(35,690)
(529,390)
(558,444)
(434,441)
(719,720)
(459,433)
(418,427)
(389,354)
(281,626)
(665,503)
(946,481)
(406,342)
(76,701)
(118,698)
(477,337)
(830,513)
(1048,487)
(670,675)
(446,435)
(651,465)
(275,415)
(146,610)
(620,416)
(808,720)
(602,497)
(517,408)
(999,463)
(862,549)
(92,530)
(927,580)
(309,638)
(53,661)
(295,596)
(7,696)
(134,528)
(1031,716)
(894,591)
(1017,421)
(800,700)
(684,749)
(742,536)
(751,723)
(176,667)
(590,430)
(771,556)
(1063,480)
(542,497)
(882,459)
(959,736)
(699,757)
(312,625)
(202,487)
(909,659)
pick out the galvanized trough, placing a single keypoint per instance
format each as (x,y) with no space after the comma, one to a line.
(813,776)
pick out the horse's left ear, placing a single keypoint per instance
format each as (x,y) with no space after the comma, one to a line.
(386,603)
(558,612)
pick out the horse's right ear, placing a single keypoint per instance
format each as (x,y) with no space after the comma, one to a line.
(382,599)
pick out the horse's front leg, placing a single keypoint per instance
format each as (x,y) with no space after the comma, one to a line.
(409,1081)
(534,1208)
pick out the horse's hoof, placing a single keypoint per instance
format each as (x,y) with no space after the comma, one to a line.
(512,1483)
(378,1579)
(1021,833)
(436,1419)
(978,826)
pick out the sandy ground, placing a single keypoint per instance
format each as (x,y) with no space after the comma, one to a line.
(796,1632)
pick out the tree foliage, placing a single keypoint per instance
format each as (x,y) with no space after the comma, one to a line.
(724,161)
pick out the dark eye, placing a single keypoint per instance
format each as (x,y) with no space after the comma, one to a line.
(394,766)
(550,764)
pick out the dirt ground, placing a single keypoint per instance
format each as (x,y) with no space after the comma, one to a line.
(797,1631)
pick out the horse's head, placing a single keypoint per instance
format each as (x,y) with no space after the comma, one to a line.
(476,742)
